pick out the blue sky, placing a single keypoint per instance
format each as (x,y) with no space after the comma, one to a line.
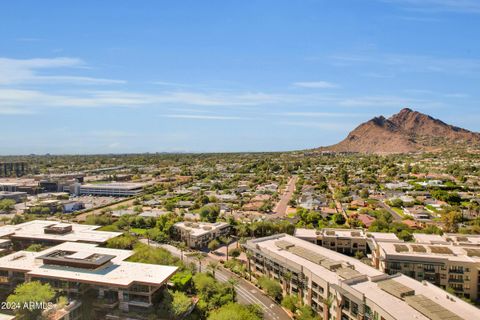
(207,76)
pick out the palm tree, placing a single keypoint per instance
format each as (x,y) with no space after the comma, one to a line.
(182,246)
(226,240)
(212,266)
(287,278)
(232,282)
(199,256)
(249,257)
(253,228)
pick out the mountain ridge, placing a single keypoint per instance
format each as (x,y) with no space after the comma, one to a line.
(404,132)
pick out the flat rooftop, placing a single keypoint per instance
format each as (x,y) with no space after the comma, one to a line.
(306,233)
(453,308)
(113,185)
(344,233)
(463,239)
(200,228)
(429,238)
(383,236)
(36,230)
(427,251)
(116,272)
(319,260)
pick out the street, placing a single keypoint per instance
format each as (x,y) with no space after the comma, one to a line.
(282,204)
(247,293)
(395,215)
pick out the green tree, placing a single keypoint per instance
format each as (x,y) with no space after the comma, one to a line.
(28,292)
(306,312)
(212,293)
(125,241)
(271,287)
(180,304)
(34,247)
(290,302)
(213,245)
(212,266)
(234,253)
(235,311)
(7,205)
(147,254)
(209,213)
(232,282)
(226,240)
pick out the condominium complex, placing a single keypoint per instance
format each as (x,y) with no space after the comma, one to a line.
(118,189)
(346,241)
(84,269)
(449,261)
(52,232)
(199,234)
(339,287)
(452,266)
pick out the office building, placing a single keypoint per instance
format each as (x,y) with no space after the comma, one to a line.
(114,189)
(83,269)
(53,232)
(199,234)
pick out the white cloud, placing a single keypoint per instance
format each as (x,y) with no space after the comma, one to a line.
(339,127)
(201,117)
(316,85)
(459,6)
(387,102)
(392,63)
(17,71)
(320,114)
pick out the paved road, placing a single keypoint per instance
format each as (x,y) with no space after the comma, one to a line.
(395,215)
(83,216)
(282,204)
(247,293)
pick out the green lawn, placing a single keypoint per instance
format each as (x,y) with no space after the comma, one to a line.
(398,210)
(139,231)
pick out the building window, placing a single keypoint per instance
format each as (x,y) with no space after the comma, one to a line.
(354,308)
(346,304)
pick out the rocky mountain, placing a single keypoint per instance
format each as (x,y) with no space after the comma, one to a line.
(404,132)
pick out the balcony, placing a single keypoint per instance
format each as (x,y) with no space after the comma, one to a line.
(457,271)
(137,303)
(105,303)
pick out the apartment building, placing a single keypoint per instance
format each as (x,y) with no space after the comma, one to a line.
(53,232)
(346,241)
(339,287)
(15,196)
(199,234)
(84,269)
(114,189)
(445,265)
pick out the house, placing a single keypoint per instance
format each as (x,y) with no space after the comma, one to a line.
(366,219)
